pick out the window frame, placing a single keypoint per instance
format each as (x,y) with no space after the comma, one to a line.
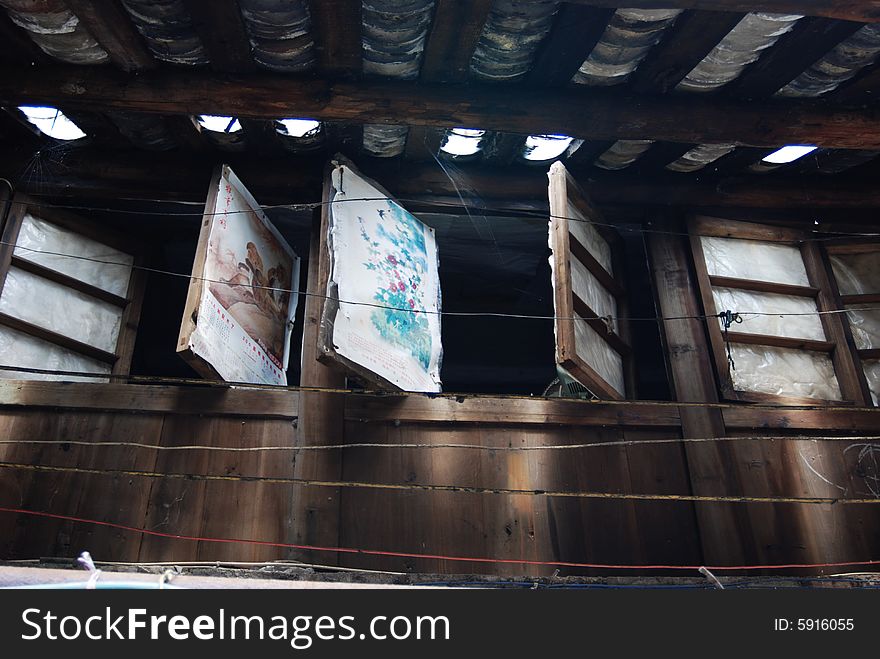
(131,304)
(564,190)
(850,246)
(838,343)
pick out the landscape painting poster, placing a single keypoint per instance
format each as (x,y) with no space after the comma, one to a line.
(237,324)
(384,275)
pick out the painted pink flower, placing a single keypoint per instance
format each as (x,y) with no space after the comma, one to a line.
(412,304)
(393,288)
(392,259)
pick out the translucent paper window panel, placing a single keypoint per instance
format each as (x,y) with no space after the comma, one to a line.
(19,349)
(587,235)
(42,236)
(61,309)
(857,274)
(872,374)
(864,321)
(593,349)
(754,259)
(587,288)
(796,327)
(783,372)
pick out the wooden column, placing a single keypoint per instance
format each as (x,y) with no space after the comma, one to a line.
(321,419)
(724,529)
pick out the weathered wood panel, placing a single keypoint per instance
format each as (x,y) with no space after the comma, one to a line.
(534,528)
(512,527)
(593,114)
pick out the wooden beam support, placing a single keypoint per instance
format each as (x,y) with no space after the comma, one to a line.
(867,11)
(187,133)
(724,531)
(336,27)
(817,420)
(415,408)
(261,136)
(576,31)
(221,29)
(209,401)
(658,156)
(111,26)
(583,113)
(693,36)
(281,403)
(453,38)
(322,417)
(795,52)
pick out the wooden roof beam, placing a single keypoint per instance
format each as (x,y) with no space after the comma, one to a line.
(594,114)
(867,11)
(453,38)
(108,22)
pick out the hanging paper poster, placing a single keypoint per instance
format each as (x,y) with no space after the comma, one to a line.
(242,299)
(382,317)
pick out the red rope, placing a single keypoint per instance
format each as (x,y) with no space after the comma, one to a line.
(399,554)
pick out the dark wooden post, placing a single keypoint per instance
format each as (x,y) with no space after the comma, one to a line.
(321,418)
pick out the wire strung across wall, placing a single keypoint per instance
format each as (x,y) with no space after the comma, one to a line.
(523,213)
(427,487)
(458,397)
(459,314)
(452,445)
(427,556)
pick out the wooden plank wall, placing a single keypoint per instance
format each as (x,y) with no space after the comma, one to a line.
(459,524)
(536,528)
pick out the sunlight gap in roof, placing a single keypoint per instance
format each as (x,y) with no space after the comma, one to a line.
(462,141)
(297,127)
(788,153)
(219,124)
(52,122)
(545,147)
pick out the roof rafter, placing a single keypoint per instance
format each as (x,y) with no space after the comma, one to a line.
(336,27)
(594,114)
(108,22)
(795,52)
(693,36)
(221,29)
(576,31)
(453,38)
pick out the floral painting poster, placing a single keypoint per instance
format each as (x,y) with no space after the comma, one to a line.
(249,275)
(384,271)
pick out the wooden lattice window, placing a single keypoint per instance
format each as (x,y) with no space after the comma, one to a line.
(592,343)
(70,298)
(855,266)
(787,349)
